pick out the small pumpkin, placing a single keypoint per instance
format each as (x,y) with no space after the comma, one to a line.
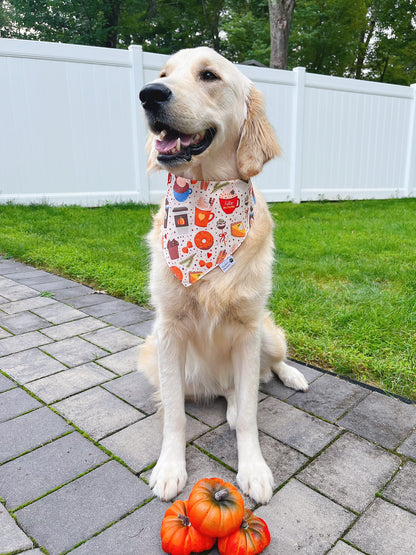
(178,535)
(250,539)
(215,507)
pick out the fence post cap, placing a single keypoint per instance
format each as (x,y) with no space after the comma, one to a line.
(137,47)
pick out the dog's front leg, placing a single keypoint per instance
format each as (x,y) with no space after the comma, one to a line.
(169,475)
(254,476)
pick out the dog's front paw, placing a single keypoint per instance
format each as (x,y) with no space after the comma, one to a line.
(168,479)
(256,480)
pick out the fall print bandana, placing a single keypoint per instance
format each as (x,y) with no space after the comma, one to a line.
(205,222)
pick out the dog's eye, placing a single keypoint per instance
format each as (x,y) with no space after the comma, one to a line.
(208,76)
(163,74)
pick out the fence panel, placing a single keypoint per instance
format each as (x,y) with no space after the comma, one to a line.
(72,130)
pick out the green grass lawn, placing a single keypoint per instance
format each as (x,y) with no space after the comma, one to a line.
(344,281)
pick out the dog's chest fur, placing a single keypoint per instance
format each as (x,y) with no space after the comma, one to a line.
(235,296)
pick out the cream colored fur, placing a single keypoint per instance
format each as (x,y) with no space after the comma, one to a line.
(216,337)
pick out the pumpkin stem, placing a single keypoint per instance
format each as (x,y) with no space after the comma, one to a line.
(221,494)
(184,519)
(244,524)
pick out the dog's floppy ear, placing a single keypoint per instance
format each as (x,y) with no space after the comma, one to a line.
(258,143)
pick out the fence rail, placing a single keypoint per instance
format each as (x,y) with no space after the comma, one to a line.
(72,130)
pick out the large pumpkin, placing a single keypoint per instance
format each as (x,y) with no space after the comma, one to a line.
(250,539)
(178,535)
(215,507)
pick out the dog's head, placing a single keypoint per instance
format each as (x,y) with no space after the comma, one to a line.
(207,119)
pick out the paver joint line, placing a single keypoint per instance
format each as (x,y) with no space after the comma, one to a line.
(79,435)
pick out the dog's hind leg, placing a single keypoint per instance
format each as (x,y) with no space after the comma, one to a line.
(148,361)
(231,408)
(273,353)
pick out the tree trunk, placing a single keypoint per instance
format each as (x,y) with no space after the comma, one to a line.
(112,15)
(362,49)
(281,13)
(212,14)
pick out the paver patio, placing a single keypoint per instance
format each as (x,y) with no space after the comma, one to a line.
(79,434)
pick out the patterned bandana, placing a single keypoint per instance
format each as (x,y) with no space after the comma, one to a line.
(205,223)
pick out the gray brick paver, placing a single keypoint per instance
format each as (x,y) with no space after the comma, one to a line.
(342,548)
(350,471)
(382,419)
(142,329)
(53,285)
(97,412)
(112,339)
(39,277)
(74,328)
(30,365)
(15,402)
(4,333)
(408,447)
(22,342)
(133,315)
(12,538)
(74,351)
(301,520)
(75,290)
(329,397)
(59,314)
(66,383)
(89,299)
(211,412)
(26,304)
(29,431)
(402,489)
(294,427)
(6,383)
(137,533)
(104,309)
(123,362)
(384,529)
(282,460)
(28,477)
(83,507)
(23,322)
(139,444)
(135,389)
(18,292)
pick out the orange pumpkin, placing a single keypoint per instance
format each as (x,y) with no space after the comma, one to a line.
(178,535)
(215,507)
(250,539)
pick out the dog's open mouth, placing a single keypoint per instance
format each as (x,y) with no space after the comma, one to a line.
(173,146)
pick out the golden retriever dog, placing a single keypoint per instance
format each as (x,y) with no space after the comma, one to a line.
(213,335)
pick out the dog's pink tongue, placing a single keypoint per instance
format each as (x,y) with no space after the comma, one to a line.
(169,142)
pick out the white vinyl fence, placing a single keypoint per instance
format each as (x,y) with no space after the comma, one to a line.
(72,130)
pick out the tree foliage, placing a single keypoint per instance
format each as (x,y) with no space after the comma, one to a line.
(364,39)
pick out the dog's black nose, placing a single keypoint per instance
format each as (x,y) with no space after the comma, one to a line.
(153,95)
